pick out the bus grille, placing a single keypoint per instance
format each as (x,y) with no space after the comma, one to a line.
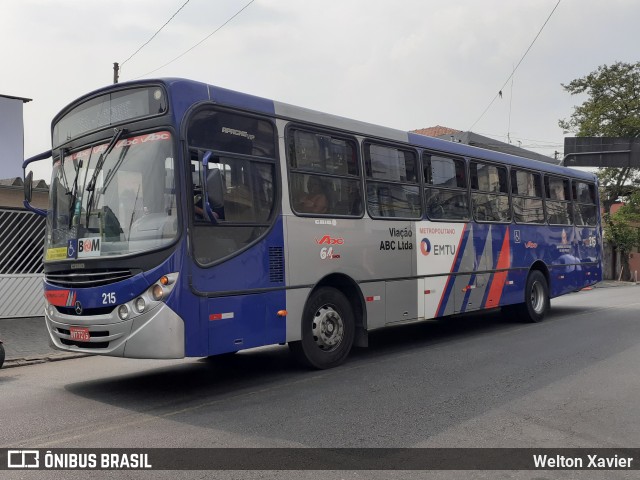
(68,342)
(87,278)
(276,264)
(88,312)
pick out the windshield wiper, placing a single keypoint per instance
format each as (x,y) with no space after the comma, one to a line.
(99,164)
(73,192)
(64,174)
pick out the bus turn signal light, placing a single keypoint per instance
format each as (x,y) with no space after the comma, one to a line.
(282,313)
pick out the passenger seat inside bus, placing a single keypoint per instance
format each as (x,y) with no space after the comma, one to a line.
(215,191)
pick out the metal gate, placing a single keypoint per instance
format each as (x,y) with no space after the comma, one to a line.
(21,269)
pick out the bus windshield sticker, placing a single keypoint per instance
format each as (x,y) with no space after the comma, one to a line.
(72,248)
(89,247)
(59,253)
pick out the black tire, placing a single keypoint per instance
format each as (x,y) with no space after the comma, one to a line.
(536,300)
(1,355)
(328,330)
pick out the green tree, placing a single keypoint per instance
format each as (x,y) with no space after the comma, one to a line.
(611,109)
(622,230)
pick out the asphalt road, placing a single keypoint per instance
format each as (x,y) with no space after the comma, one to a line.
(476,381)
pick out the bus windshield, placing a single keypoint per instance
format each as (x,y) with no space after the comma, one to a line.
(122,205)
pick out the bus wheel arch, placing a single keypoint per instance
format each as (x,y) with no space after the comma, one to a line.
(535,305)
(332,320)
(352,291)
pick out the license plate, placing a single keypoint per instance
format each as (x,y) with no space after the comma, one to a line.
(80,333)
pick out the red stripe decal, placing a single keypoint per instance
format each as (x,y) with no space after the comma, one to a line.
(499,278)
(57,297)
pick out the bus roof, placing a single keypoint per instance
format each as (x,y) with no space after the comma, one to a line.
(194,91)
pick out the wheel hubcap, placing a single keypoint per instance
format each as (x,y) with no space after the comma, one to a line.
(537,297)
(327,328)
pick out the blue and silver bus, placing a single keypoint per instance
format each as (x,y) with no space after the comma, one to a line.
(188,220)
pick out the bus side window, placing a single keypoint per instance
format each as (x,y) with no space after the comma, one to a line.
(324,174)
(489,193)
(445,188)
(558,201)
(584,198)
(393,189)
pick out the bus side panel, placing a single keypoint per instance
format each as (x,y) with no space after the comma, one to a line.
(491,252)
(358,249)
(564,265)
(245,321)
(589,252)
(455,288)
(374,294)
(296,299)
(498,258)
(438,249)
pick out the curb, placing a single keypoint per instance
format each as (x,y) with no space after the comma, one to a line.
(22,362)
(613,284)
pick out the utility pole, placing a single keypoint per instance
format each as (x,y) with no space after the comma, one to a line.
(116,71)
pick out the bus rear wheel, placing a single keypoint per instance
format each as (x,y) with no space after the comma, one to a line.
(536,300)
(328,330)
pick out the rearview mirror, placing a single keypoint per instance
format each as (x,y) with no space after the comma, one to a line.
(28,182)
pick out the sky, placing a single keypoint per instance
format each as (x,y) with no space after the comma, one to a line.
(406,64)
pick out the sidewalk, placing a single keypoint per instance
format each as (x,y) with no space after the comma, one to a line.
(26,340)
(613,283)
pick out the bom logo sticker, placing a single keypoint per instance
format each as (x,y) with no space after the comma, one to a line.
(88,247)
(425,246)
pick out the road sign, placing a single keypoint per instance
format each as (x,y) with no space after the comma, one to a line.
(601,152)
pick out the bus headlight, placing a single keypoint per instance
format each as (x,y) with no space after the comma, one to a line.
(140,305)
(157,292)
(123,312)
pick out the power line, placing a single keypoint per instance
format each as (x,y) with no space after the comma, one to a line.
(200,42)
(499,94)
(154,35)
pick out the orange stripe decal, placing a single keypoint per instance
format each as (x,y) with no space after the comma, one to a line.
(499,278)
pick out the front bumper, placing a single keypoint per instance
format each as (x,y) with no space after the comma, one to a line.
(158,333)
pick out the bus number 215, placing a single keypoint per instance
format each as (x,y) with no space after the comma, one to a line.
(109,298)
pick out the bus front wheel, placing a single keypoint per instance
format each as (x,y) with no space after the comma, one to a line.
(536,300)
(328,330)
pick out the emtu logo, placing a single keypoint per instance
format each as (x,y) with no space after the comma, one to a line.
(425,246)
